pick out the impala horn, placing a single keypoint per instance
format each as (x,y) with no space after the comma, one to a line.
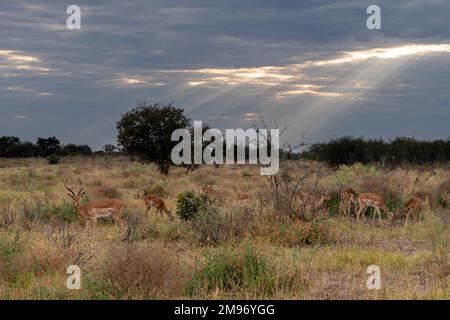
(67,188)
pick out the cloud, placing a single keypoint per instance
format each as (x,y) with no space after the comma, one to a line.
(311,60)
(388,53)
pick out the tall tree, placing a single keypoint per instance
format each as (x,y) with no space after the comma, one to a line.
(145,133)
(48,146)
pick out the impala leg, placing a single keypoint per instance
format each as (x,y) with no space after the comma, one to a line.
(361,209)
(93,224)
(87,223)
(379,215)
(343,209)
(120,222)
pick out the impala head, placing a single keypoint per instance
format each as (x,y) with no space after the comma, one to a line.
(391,216)
(389,213)
(76,197)
(349,193)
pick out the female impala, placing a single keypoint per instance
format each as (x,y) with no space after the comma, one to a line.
(412,207)
(373,200)
(153,201)
(313,203)
(348,201)
(95,209)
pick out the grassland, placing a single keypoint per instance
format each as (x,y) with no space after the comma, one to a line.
(257,248)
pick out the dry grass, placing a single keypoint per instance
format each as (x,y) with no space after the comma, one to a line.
(294,255)
(146,272)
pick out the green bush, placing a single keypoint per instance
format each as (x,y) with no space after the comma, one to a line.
(442,201)
(333,205)
(64,212)
(37,211)
(9,248)
(53,159)
(233,270)
(188,205)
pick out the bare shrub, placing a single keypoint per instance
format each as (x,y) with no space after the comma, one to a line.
(285,186)
(214,225)
(63,238)
(209,223)
(142,272)
(238,221)
(31,211)
(137,227)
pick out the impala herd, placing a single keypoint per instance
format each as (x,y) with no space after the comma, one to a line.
(349,201)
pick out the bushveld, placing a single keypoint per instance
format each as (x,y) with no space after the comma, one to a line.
(254,242)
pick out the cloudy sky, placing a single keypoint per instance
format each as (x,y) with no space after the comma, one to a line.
(312,64)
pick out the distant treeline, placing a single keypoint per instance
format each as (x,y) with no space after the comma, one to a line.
(13,147)
(402,150)
(345,150)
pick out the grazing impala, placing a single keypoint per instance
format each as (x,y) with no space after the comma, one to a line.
(95,209)
(153,201)
(412,207)
(373,200)
(349,200)
(310,202)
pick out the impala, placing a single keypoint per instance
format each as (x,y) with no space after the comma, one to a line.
(153,201)
(243,196)
(95,209)
(212,191)
(375,201)
(209,190)
(311,202)
(412,207)
(349,200)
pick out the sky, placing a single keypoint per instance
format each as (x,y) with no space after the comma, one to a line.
(312,66)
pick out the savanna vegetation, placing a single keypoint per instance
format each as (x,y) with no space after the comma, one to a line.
(236,234)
